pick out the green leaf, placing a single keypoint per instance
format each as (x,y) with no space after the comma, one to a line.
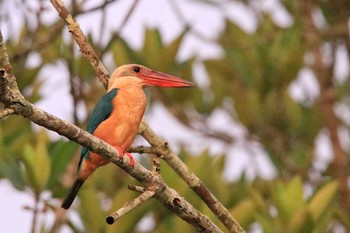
(37,163)
(170,51)
(322,200)
(60,153)
(123,54)
(90,209)
(243,212)
(266,223)
(11,169)
(289,198)
(301,221)
(152,46)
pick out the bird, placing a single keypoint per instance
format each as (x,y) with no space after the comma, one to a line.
(117,116)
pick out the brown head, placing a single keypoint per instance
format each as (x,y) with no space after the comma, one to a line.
(133,74)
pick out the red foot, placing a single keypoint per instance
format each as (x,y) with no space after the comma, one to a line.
(122,153)
(132,160)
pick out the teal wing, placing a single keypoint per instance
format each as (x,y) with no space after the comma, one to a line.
(101,112)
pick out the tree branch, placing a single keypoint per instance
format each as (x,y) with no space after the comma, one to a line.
(13,99)
(127,207)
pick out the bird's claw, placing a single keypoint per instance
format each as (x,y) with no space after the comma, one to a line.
(122,153)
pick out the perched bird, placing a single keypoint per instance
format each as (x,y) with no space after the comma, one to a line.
(117,116)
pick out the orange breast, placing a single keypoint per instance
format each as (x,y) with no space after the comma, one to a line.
(121,127)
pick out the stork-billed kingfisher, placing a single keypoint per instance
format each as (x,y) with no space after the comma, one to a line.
(117,116)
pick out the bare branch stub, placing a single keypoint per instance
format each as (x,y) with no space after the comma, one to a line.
(127,207)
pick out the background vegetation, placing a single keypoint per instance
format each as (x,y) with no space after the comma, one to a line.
(260,81)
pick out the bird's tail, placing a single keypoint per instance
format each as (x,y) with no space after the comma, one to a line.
(68,200)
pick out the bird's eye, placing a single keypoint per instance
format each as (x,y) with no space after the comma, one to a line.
(137,69)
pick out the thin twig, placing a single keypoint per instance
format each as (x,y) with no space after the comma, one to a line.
(190,28)
(39,42)
(60,218)
(35,212)
(72,84)
(116,34)
(99,7)
(102,24)
(128,206)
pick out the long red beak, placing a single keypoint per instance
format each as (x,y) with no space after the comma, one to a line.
(155,78)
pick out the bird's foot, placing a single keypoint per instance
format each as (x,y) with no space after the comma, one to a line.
(122,153)
(132,160)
